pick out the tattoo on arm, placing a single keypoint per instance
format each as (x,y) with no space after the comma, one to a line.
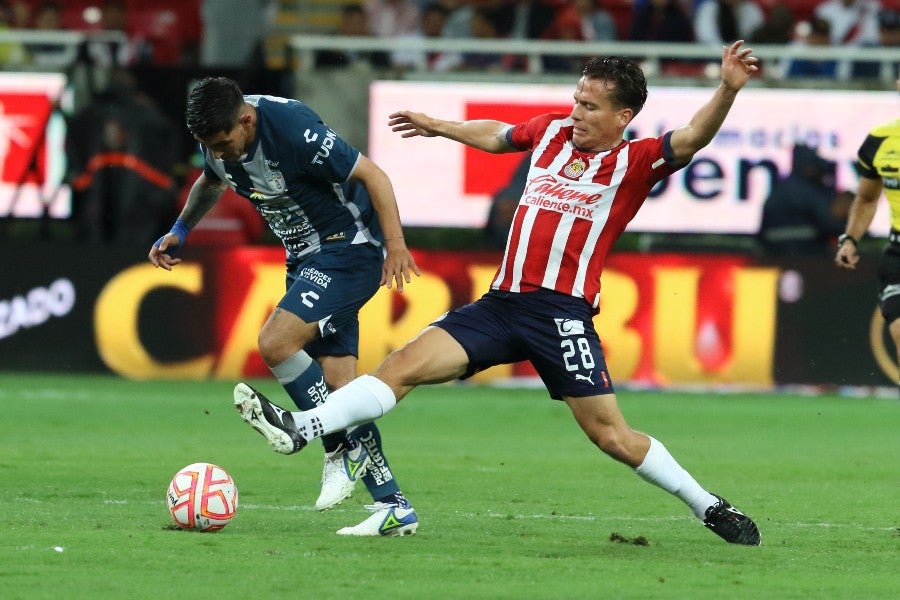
(201,198)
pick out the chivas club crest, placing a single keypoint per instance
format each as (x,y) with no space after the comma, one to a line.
(574,169)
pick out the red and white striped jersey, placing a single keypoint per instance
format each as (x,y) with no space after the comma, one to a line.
(574,206)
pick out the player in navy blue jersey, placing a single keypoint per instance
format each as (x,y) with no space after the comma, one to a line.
(336,214)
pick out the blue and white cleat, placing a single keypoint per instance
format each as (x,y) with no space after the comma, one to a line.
(386,520)
(342,469)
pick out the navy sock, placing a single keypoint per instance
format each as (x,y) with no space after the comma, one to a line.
(395,498)
(308,390)
(379,479)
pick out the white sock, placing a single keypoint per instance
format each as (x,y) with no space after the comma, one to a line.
(362,400)
(661,469)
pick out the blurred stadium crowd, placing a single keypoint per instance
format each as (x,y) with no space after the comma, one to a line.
(233,32)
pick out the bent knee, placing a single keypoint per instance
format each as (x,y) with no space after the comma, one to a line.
(622,444)
(400,368)
(274,348)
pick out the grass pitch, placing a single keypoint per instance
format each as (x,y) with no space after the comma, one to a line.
(513,500)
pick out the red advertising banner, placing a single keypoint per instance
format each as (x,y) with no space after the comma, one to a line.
(32,155)
(665,319)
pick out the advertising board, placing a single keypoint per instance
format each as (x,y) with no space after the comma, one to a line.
(443,183)
(32,146)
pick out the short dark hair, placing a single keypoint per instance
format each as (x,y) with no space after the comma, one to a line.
(213,106)
(629,89)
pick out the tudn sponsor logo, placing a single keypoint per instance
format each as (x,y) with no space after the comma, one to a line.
(36,306)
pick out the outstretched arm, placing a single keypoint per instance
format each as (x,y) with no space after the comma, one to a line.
(737,66)
(483,134)
(201,198)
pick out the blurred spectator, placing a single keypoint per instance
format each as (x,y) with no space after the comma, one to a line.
(169,32)
(434,16)
(11,53)
(113,17)
(580,20)
(483,28)
(803,213)
(888,37)
(851,22)
(661,21)
(504,203)
(353,23)
(776,28)
(121,151)
(21,13)
(818,34)
(459,13)
(233,32)
(718,22)
(48,17)
(392,18)
(501,14)
(530,19)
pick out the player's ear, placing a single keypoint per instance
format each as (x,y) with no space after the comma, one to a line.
(624,116)
(246,117)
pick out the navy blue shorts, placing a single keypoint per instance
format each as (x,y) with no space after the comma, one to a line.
(329,288)
(554,331)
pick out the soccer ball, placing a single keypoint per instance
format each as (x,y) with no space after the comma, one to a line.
(202,497)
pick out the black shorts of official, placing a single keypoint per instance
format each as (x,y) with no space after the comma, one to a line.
(554,331)
(889,279)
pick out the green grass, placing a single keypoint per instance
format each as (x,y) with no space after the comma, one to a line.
(513,500)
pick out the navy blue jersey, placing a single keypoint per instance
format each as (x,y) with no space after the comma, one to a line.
(296,175)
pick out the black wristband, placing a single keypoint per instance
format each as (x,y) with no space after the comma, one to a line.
(847,238)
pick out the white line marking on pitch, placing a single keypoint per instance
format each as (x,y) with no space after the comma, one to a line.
(512,516)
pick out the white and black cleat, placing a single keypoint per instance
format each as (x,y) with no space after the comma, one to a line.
(272,422)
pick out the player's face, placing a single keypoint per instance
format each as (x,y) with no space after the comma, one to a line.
(597,124)
(228,145)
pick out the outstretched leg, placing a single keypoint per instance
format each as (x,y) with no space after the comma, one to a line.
(603,423)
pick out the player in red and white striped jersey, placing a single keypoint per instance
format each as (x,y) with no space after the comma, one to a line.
(585,184)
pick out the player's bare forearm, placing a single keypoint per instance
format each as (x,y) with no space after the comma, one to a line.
(398,261)
(862,212)
(381,191)
(483,134)
(203,195)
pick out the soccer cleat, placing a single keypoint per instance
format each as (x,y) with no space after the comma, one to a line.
(730,524)
(386,520)
(341,471)
(275,424)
